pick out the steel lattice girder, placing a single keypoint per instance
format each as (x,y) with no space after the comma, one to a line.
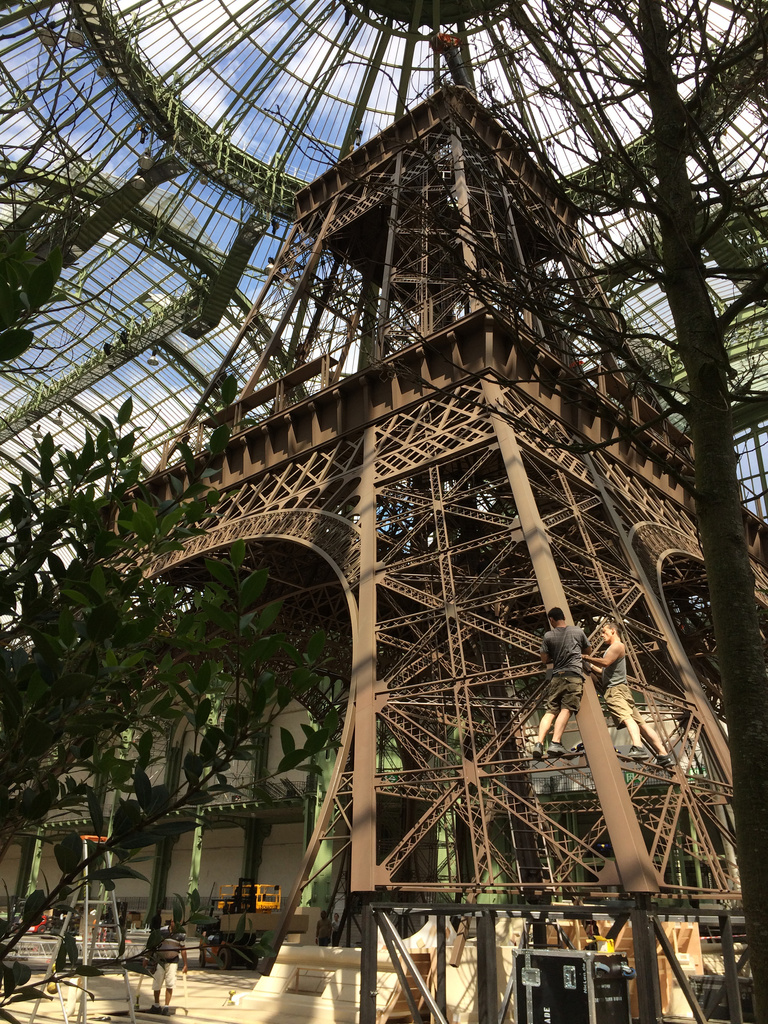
(458,619)
(446,499)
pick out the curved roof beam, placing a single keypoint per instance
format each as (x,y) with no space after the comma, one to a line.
(264,185)
(223,286)
(210,261)
(115,207)
(137,338)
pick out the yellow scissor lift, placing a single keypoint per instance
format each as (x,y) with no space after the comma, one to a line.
(247,900)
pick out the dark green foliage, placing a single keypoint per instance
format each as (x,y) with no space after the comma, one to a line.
(26,284)
(102,661)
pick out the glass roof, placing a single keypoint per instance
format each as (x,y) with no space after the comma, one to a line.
(161,142)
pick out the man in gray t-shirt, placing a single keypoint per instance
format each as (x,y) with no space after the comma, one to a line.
(562,647)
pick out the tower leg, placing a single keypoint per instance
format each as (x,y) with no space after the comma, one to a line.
(368,981)
(644,941)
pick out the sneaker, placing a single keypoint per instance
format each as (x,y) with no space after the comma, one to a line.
(537,752)
(638,753)
(665,760)
(556,750)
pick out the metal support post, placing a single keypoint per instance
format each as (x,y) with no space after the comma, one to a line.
(487,985)
(644,943)
(731,971)
(440,994)
(368,975)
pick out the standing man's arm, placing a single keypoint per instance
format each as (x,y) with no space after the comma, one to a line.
(544,654)
(612,654)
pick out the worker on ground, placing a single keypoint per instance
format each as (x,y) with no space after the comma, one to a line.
(324,929)
(166,955)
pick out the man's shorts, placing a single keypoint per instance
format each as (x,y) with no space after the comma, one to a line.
(165,973)
(564,692)
(621,703)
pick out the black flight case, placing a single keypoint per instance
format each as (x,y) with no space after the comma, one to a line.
(571,986)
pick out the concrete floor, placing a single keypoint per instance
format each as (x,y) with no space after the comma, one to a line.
(208,995)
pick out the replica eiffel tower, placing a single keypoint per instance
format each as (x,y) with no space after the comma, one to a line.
(434,444)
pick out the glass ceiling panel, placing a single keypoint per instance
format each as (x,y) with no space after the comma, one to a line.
(250,99)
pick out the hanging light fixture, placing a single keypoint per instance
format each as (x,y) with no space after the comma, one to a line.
(153,360)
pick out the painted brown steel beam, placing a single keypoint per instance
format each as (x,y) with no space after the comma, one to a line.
(363,868)
(635,868)
(478,344)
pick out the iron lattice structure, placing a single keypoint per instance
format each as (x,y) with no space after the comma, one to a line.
(474,466)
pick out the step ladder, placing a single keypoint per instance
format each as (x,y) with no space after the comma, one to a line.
(74,1007)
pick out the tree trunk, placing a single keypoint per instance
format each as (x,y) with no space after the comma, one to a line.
(718,504)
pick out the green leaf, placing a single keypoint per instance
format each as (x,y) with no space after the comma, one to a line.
(226,620)
(331,721)
(21,972)
(252,587)
(292,760)
(315,645)
(125,412)
(301,678)
(237,553)
(316,741)
(143,521)
(110,874)
(220,572)
(144,747)
(201,679)
(172,828)
(14,342)
(219,439)
(202,712)
(178,909)
(9,981)
(95,811)
(56,260)
(142,787)
(287,741)
(269,615)
(34,904)
(40,285)
(193,766)
(67,626)
(37,737)
(101,622)
(98,581)
(26,993)
(69,853)
(229,390)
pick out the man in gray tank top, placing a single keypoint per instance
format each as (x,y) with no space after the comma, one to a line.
(621,703)
(562,647)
